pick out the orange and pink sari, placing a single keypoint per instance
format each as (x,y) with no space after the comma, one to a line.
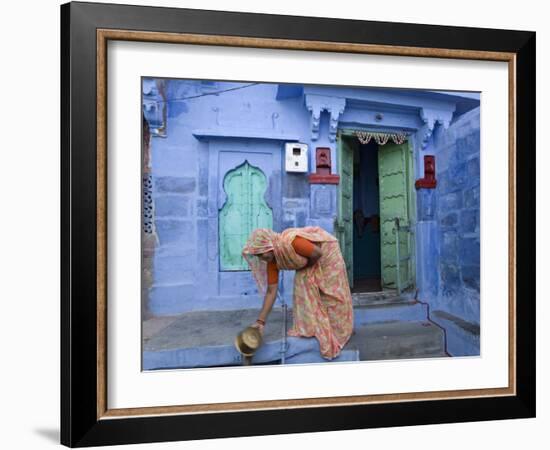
(322,304)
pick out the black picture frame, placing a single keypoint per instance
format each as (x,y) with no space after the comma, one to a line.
(81,421)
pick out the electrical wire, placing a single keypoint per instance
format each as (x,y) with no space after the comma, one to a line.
(206,94)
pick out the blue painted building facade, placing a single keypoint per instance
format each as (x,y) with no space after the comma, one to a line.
(199,131)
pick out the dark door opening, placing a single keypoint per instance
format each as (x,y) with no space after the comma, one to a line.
(366,219)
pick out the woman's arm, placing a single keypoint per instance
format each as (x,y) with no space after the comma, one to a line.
(269,300)
(308,249)
(314,257)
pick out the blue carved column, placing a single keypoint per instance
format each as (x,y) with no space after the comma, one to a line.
(427,245)
(325,114)
(427,236)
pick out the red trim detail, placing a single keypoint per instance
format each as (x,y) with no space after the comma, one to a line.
(422,183)
(315,178)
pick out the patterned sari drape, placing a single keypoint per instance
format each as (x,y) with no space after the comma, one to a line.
(322,304)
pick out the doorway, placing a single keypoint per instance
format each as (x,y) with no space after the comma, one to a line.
(375,212)
(366,219)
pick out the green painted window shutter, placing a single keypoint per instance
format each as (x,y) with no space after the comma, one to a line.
(244,210)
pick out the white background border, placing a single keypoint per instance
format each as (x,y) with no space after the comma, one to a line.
(129,387)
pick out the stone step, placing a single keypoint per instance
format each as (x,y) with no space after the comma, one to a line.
(386,305)
(404,310)
(381,298)
(462,337)
(298,351)
(398,340)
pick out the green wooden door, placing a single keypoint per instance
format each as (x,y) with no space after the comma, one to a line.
(244,210)
(394,172)
(344,222)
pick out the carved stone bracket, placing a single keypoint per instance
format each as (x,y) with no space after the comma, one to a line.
(334,106)
(154,106)
(431,117)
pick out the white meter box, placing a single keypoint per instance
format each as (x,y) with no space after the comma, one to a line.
(295,157)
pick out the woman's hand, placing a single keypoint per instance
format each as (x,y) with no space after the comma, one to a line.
(259,326)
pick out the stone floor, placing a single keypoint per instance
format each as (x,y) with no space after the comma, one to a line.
(386,327)
(207,328)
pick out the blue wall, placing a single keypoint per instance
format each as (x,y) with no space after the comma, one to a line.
(457,216)
(207,135)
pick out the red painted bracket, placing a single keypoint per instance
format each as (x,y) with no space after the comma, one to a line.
(429,181)
(323,165)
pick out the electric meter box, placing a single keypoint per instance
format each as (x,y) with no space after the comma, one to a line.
(295,157)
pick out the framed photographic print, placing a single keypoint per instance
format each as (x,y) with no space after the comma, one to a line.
(280,224)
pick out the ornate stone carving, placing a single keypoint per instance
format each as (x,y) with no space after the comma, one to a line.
(430,117)
(154,106)
(334,106)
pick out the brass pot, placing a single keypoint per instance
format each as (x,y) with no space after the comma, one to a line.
(248,341)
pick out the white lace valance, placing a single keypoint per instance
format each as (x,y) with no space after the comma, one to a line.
(380,138)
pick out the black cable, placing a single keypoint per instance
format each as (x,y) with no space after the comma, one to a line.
(208,93)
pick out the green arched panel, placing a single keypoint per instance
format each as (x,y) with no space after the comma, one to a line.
(244,210)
